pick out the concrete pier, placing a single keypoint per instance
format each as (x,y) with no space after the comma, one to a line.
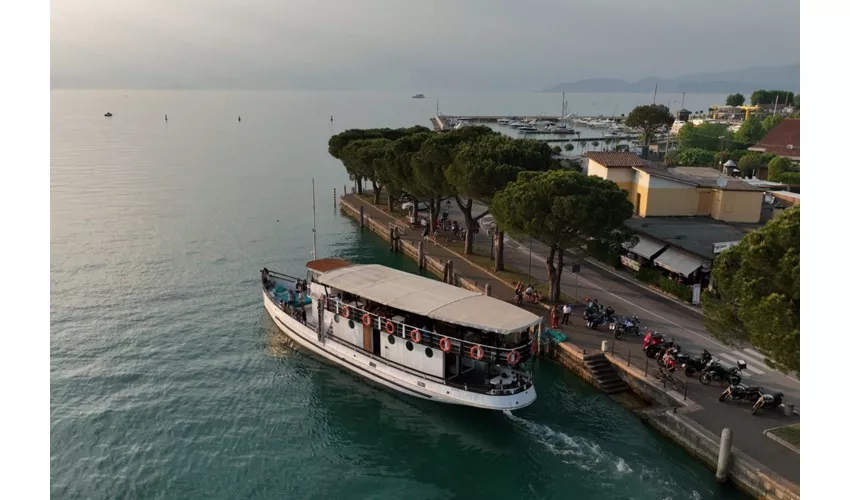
(723,458)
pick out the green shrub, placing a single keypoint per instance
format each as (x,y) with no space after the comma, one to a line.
(792,178)
(679,290)
(605,253)
(777,167)
(691,157)
(648,275)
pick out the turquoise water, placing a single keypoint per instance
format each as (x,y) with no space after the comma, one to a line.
(168,380)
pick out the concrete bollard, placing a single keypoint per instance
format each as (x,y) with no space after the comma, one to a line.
(604,346)
(362,219)
(421,254)
(724,456)
(488,290)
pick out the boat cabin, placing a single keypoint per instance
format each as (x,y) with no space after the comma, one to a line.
(439,331)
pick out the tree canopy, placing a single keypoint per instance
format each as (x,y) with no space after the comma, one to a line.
(563,209)
(650,119)
(483,167)
(751,131)
(705,136)
(756,295)
(735,100)
(777,167)
(771,121)
(695,157)
(748,164)
(769,97)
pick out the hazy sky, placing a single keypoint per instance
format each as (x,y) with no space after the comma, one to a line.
(410,44)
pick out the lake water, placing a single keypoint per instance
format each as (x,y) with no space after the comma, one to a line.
(168,380)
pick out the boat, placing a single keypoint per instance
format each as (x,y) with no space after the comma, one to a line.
(108,115)
(408,333)
(504,121)
(419,96)
(526,128)
(515,124)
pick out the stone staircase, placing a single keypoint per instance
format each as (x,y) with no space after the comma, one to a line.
(606,378)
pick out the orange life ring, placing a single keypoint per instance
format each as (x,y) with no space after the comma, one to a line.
(367,319)
(346,312)
(389,326)
(445,344)
(416,337)
(513,358)
(476,352)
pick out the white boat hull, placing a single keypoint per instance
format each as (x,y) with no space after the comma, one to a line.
(379,371)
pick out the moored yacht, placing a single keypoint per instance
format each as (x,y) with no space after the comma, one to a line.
(409,333)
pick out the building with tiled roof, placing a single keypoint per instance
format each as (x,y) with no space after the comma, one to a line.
(782,140)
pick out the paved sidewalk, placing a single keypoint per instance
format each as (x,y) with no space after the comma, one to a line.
(714,415)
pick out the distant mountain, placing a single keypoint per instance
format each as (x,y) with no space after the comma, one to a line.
(743,80)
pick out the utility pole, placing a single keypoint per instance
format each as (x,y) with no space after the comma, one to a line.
(775,104)
(654,93)
(683,100)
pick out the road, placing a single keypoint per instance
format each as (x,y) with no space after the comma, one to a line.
(656,312)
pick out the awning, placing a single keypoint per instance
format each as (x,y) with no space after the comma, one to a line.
(678,261)
(646,247)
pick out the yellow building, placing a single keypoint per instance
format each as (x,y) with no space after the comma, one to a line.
(658,191)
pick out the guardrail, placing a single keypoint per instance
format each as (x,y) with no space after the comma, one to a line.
(634,356)
(464,348)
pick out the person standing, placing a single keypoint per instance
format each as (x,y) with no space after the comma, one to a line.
(565,320)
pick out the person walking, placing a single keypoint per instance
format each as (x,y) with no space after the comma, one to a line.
(565,320)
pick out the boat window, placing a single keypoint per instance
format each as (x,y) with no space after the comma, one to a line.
(429,353)
(351,324)
(391,339)
(409,345)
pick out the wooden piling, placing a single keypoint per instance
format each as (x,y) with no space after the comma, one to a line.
(421,254)
(362,220)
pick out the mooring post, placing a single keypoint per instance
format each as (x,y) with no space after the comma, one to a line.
(421,254)
(447,271)
(334,197)
(488,290)
(344,190)
(362,220)
(723,457)
(392,239)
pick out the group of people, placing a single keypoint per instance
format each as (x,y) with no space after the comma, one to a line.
(529,295)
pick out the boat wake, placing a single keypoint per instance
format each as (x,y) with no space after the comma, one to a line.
(587,455)
(578,451)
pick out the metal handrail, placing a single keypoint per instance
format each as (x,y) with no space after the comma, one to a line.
(432,338)
(481,389)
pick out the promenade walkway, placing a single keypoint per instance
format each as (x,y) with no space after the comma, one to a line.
(748,429)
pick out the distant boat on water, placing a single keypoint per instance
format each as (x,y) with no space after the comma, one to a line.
(419,96)
(108,115)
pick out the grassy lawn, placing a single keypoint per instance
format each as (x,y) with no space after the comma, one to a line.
(789,433)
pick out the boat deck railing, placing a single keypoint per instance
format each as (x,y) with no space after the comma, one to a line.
(463,348)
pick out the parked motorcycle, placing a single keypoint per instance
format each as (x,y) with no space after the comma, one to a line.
(600,319)
(658,346)
(670,349)
(650,341)
(693,365)
(727,376)
(767,401)
(622,326)
(742,392)
(592,309)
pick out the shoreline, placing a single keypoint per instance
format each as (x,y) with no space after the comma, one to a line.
(667,409)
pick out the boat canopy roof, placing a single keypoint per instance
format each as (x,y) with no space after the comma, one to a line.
(325,265)
(430,298)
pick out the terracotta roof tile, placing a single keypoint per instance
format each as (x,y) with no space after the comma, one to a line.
(615,159)
(785,133)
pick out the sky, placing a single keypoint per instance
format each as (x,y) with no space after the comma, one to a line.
(496,45)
